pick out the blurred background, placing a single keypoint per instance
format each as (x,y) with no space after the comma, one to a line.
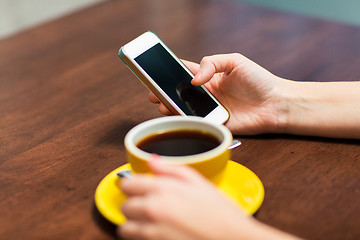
(17,15)
(346,11)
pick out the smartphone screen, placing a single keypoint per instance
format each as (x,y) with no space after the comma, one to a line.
(175,81)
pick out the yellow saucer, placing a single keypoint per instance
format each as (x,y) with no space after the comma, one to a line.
(241,184)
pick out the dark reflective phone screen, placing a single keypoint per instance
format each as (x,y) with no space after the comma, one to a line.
(175,81)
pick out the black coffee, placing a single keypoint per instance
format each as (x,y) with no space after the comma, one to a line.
(179,143)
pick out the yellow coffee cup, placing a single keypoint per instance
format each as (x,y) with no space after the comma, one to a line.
(233,179)
(210,161)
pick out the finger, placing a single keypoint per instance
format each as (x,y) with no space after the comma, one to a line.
(153,98)
(130,230)
(182,172)
(134,209)
(137,185)
(193,67)
(164,110)
(222,63)
(161,107)
(139,230)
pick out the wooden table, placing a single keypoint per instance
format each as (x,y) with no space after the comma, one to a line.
(67,101)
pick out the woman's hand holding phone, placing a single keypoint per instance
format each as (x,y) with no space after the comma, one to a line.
(251,94)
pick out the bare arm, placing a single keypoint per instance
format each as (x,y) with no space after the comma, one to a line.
(261,102)
(327,109)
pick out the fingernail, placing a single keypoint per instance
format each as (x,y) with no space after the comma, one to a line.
(124,174)
(155,157)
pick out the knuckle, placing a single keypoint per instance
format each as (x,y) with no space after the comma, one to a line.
(206,59)
(236,55)
(151,211)
(125,208)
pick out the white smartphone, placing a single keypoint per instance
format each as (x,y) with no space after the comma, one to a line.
(169,79)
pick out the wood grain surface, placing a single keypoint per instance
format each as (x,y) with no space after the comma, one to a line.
(67,101)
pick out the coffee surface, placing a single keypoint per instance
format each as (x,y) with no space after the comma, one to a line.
(179,143)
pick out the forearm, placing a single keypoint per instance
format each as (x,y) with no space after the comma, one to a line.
(327,109)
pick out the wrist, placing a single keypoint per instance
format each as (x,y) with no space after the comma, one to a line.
(257,230)
(285,98)
(320,109)
(296,108)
